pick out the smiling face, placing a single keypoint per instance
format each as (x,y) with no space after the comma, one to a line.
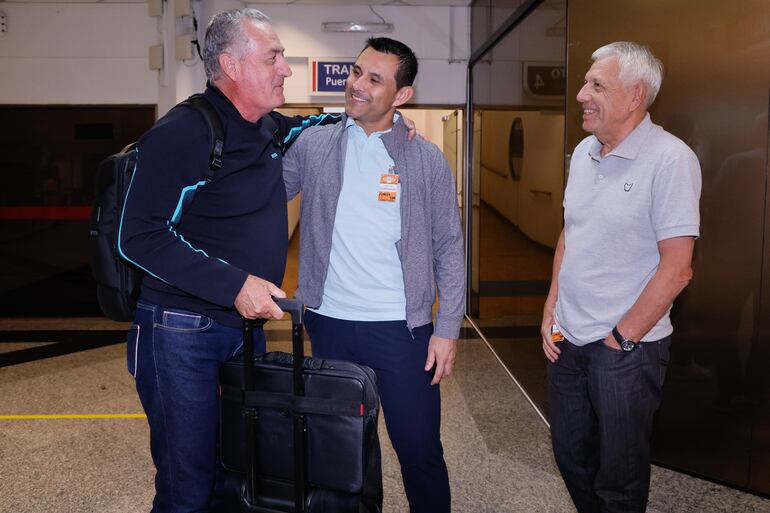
(256,78)
(611,109)
(371,93)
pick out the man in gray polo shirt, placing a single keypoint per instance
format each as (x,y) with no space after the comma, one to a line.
(630,223)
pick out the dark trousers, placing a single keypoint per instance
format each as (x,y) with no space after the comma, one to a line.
(602,401)
(175,357)
(412,407)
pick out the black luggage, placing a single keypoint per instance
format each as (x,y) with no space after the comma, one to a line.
(301,431)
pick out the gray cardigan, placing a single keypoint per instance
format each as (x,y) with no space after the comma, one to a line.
(431,245)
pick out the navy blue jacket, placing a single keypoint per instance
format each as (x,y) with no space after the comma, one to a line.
(197,257)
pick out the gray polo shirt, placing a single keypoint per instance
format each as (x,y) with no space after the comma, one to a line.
(616,209)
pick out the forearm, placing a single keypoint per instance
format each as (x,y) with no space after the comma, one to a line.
(292,127)
(164,255)
(292,176)
(448,253)
(653,303)
(448,324)
(450,282)
(672,276)
(150,235)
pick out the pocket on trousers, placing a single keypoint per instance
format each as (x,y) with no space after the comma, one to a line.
(132,348)
(178,320)
(612,349)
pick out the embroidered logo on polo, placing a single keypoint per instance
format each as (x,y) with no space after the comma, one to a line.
(627,186)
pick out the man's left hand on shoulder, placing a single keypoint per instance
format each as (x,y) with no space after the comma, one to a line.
(441,352)
(413,132)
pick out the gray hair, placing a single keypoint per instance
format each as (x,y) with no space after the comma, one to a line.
(637,65)
(225,34)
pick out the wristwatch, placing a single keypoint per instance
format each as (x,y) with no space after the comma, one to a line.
(626,344)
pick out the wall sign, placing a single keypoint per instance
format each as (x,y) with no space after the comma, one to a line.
(328,75)
(545,80)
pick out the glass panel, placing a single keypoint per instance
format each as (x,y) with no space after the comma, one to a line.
(487,16)
(480,23)
(518,172)
(715,98)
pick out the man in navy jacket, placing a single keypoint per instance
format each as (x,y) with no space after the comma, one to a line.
(208,261)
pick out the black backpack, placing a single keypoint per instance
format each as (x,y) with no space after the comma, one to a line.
(119,281)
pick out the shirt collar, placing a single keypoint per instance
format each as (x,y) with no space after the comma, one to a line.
(629,147)
(351,122)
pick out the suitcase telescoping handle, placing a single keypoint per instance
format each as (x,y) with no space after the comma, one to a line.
(292,306)
(295,308)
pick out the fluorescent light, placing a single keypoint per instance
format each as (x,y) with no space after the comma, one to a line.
(356,26)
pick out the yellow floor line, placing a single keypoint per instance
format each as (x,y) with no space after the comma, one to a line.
(76,416)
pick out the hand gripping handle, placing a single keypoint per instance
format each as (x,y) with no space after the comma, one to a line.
(293,306)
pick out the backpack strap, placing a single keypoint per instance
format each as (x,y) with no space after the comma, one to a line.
(272,127)
(216,132)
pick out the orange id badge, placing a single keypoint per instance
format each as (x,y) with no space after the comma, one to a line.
(389,196)
(389,179)
(388,187)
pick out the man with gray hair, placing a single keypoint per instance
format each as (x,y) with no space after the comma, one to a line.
(630,223)
(211,260)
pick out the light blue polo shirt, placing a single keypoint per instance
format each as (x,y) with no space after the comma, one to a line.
(616,210)
(365,281)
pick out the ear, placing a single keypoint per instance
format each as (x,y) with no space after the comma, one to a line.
(231,68)
(640,97)
(403,95)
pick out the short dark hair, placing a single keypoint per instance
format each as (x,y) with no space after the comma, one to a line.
(407,60)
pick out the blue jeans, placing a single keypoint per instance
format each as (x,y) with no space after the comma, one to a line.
(411,406)
(602,402)
(175,357)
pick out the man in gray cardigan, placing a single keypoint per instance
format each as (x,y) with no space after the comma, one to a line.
(380,232)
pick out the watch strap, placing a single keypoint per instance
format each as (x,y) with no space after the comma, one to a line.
(618,337)
(626,344)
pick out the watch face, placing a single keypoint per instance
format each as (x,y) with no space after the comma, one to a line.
(627,345)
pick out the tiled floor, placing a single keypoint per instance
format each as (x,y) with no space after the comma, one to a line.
(497,449)
(496,446)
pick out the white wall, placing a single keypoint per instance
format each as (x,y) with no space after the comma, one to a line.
(77,54)
(70,53)
(435,34)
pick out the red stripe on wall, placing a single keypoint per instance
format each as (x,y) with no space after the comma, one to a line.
(53,212)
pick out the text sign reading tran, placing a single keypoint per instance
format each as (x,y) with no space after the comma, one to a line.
(329,76)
